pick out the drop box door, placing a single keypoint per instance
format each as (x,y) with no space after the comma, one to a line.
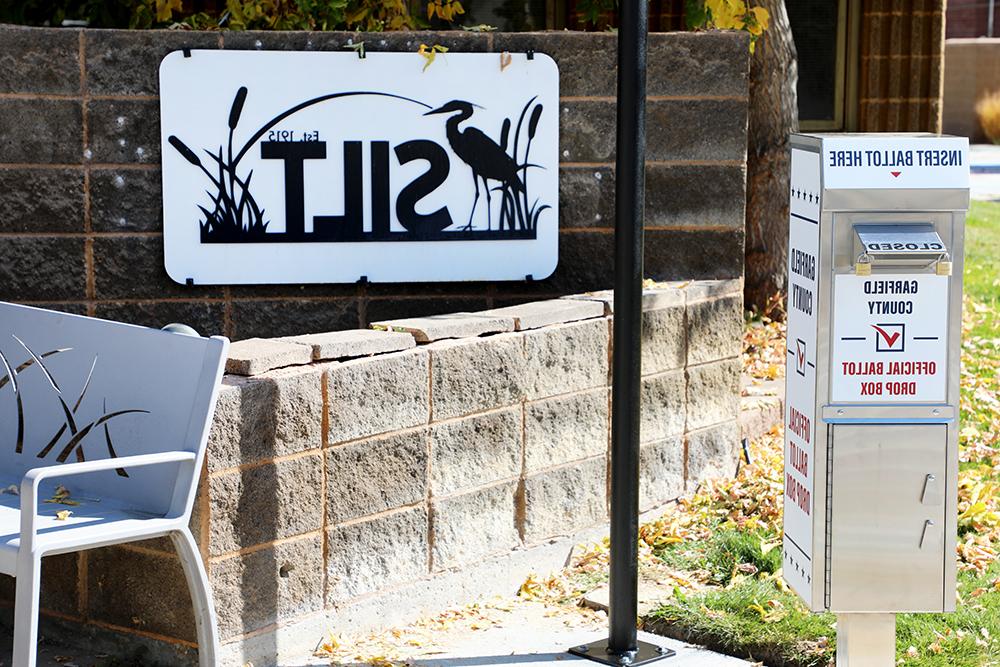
(885,532)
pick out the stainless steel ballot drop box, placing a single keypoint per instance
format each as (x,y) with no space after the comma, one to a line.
(871,416)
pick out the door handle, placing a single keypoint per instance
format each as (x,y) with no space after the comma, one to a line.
(923,534)
(931,494)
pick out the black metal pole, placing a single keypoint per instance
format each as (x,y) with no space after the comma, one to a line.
(622,646)
(630,177)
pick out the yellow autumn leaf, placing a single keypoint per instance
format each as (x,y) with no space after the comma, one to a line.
(166,8)
(62,515)
(762,17)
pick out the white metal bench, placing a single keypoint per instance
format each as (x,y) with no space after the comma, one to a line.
(116,414)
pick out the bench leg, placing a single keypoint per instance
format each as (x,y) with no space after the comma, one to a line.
(29,572)
(201,595)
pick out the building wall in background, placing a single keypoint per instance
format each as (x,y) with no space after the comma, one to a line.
(973,71)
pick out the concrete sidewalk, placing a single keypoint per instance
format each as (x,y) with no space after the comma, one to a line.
(524,633)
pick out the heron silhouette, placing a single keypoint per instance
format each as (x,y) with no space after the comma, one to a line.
(488,161)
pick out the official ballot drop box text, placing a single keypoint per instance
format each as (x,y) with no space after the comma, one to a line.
(871,415)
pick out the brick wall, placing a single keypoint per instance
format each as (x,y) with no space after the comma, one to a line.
(902,64)
(80,203)
(405,477)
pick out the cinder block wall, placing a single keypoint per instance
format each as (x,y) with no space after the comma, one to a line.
(341,494)
(80,199)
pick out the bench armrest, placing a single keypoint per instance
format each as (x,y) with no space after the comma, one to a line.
(33,478)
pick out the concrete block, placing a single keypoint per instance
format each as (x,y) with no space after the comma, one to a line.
(360,391)
(566,358)
(539,314)
(60,581)
(371,476)
(270,318)
(142,590)
(697,129)
(123,131)
(473,525)
(370,555)
(698,63)
(41,200)
(587,197)
(34,60)
(719,200)
(353,343)
(271,415)
(587,131)
(707,289)
(42,268)
(672,254)
(661,472)
(207,318)
(265,503)
(409,41)
(126,62)
(713,393)
(714,328)
(565,428)
(564,500)
(474,375)
(476,450)
(663,339)
(48,131)
(126,200)
(712,453)
(259,355)
(664,406)
(587,63)
(396,301)
(267,586)
(653,298)
(453,325)
(131,267)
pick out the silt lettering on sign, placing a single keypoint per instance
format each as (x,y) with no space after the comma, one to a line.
(325,167)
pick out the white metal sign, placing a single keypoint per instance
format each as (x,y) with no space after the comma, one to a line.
(890,338)
(800,380)
(895,161)
(313,167)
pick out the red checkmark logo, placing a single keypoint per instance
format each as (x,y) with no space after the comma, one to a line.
(886,336)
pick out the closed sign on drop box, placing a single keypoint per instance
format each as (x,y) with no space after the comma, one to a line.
(890,338)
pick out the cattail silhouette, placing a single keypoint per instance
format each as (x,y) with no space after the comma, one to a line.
(536,115)
(237,109)
(235,112)
(505,133)
(184,150)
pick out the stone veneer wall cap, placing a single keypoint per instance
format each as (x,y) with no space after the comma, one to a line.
(537,314)
(353,343)
(664,295)
(455,325)
(698,290)
(259,355)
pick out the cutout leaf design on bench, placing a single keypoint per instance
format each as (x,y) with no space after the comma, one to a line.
(77,432)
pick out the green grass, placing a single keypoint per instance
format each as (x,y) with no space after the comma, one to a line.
(982,260)
(748,613)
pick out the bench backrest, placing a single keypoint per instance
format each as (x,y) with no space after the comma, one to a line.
(90,389)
